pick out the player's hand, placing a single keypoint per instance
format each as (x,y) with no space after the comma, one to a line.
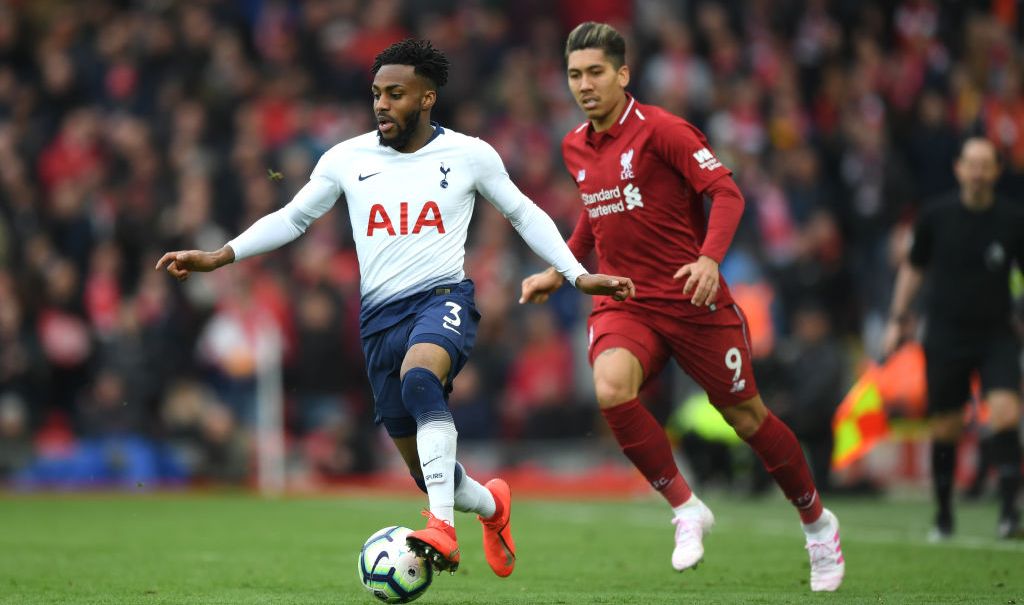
(701,282)
(538,287)
(182,263)
(619,288)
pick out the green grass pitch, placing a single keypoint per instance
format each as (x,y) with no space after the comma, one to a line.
(237,549)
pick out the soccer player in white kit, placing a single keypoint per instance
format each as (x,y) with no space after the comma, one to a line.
(410,187)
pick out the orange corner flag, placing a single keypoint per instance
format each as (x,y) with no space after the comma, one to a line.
(860,420)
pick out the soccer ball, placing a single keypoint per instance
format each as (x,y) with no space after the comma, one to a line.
(389,570)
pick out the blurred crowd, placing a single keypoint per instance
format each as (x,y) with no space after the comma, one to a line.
(128,128)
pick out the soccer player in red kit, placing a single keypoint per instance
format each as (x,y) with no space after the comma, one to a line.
(642,174)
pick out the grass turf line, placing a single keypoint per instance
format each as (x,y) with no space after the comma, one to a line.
(158,549)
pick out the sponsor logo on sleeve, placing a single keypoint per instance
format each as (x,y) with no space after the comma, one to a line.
(706,159)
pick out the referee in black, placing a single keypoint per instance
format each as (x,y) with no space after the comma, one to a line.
(964,246)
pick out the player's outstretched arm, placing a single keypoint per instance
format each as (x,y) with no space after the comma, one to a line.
(182,263)
(537,288)
(599,284)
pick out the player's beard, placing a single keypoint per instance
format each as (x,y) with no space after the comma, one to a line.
(404,132)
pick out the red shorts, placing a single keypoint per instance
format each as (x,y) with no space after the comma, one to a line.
(714,349)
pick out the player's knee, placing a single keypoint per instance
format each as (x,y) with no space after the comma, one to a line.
(423,394)
(746,417)
(611,392)
(427,356)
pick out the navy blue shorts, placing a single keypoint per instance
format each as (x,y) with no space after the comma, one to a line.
(445,316)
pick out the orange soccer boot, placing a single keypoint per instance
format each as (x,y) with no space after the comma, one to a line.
(498,545)
(437,544)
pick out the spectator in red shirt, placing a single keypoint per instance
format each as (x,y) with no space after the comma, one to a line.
(540,379)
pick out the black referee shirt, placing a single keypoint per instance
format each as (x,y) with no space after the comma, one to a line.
(967,256)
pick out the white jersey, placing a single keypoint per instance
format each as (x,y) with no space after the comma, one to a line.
(410,212)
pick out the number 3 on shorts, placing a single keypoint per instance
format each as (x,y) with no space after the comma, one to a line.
(452,320)
(734,362)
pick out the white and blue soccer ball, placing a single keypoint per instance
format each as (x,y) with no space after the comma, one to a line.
(389,570)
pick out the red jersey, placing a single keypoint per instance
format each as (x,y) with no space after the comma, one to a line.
(642,183)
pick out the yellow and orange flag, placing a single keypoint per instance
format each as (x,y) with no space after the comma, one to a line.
(896,387)
(860,421)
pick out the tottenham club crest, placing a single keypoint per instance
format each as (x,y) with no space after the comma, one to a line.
(444,176)
(627,165)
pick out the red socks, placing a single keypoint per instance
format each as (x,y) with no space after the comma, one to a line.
(644,442)
(780,452)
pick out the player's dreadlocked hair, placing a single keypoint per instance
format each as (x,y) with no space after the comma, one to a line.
(598,35)
(426,60)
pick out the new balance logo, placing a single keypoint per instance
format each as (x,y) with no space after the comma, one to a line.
(633,197)
(706,159)
(738,385)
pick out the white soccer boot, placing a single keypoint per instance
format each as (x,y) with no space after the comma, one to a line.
(691,526)
(827,563)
